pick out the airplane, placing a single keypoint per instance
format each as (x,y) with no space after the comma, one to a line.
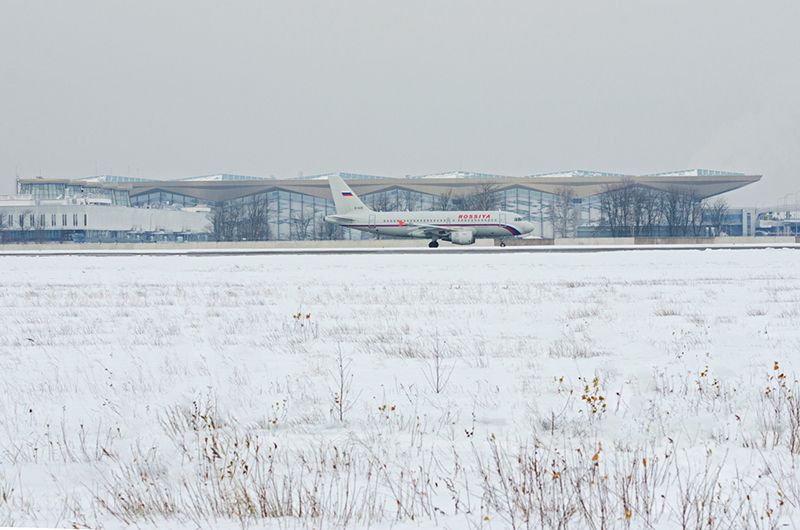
(460,228)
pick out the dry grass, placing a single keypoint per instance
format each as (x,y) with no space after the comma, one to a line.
(558,403)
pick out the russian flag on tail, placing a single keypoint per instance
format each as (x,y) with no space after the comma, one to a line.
(347,193)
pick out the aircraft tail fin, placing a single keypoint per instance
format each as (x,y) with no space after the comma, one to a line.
(343,197)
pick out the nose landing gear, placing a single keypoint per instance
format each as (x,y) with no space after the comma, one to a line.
(433,244)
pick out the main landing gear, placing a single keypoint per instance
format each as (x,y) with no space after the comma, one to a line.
(433,244)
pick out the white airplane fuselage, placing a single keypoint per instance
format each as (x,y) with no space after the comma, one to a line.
(406,224)
(460,228)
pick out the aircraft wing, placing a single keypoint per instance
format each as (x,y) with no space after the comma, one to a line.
(432,230)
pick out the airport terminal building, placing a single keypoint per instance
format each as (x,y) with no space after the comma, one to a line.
(116,208)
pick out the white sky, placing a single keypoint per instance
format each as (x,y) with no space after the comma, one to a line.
(178,89)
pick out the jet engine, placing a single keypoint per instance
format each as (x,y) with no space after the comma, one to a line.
(462,237)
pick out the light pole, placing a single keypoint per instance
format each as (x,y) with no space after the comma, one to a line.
(755,214)
(778,208)
(785,214)
(796,213)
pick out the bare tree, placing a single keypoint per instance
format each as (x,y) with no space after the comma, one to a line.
(696,219)
(608,212)
(4,226)
(408,199)
(39,225)
(672,211)
(301,221)
(628,209)
(315,219)
(238,220)
(652,218)
(716,212)
(329,231)
(646,216)
(234,216)
(379,202)
(445,201)
(483,197)
(638,214)
(217,223)
(462,202)
(682,210)
(24,223)
(617,208)
(395,202)
(256,218)
(562,211)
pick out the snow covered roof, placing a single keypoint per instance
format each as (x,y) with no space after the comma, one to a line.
(579,173)
(681,173)
(560,174)
(695,173)
(458,175)
(324,176)
(113,178)
(224,176)
(446,175)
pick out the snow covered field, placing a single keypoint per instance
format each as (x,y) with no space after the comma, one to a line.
(645,389)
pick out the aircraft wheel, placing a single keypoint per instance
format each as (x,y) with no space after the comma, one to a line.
(502,243)
(433,244)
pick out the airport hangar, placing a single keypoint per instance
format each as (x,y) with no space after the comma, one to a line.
(127,208)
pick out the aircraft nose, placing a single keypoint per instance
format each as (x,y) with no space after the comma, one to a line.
(527,227)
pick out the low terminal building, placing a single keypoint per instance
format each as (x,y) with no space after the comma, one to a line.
(92,219)
(220,207)
(778,221)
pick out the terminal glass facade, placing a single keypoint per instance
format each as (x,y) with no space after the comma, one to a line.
(296,215)
(163,199)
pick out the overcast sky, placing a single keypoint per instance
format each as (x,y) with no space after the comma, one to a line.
(172,89)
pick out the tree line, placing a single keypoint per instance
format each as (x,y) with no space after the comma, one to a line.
(484,196)
(252,220)
(631,210)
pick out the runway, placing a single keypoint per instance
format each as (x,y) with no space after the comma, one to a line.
(534,249)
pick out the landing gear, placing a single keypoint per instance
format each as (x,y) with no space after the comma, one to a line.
(502,243)
(433,244)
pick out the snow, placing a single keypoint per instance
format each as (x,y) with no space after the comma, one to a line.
(301,390)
